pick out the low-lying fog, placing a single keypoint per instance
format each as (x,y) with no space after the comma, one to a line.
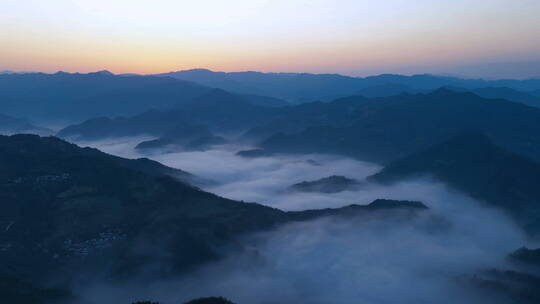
(375,260)
(266,180)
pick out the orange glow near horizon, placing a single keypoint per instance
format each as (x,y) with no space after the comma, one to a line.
(319,36)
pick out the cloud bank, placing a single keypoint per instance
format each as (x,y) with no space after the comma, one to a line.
(379,259)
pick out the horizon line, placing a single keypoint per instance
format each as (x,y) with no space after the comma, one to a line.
(442,75)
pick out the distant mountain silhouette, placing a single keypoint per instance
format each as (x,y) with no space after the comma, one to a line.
(289,86)
(302,87)
(217,109)
(69,97)
(72,97)
(508,94)
(386,129)
(473,164)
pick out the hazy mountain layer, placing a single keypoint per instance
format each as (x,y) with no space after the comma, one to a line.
(217,109)
(302,87)
(386,129)
(65,97)
(12,125)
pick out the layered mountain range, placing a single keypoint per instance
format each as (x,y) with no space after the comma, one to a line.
(73,215)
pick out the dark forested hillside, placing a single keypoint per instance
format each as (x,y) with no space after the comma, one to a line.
(473,164)
(386,129)
(65,208)
(73,212)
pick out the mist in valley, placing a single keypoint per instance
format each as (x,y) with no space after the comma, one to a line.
(387,257)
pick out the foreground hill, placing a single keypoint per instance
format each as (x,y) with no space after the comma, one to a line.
(68,210)
(473,164)
(385,129)
(76,213)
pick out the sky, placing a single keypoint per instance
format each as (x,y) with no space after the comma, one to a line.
(480,38)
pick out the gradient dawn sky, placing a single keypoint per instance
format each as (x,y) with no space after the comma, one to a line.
(486,38)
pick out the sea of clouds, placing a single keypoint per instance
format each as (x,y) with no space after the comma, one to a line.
(378,259)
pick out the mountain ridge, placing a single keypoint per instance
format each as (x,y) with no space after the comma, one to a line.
(385,129)
(471,163)
(302,87)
